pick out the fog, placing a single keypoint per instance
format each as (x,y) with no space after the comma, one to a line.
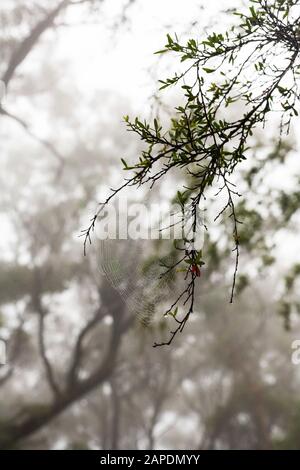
(78,367)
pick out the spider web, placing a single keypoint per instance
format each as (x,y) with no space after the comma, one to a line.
(133,269)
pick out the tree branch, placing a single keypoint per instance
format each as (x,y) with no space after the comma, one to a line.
(47,365)
(22,51)
(76,359)
(45,143)
(35,421)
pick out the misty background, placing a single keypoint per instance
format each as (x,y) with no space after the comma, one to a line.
(81,372)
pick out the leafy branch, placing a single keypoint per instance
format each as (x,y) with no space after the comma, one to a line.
(232,83)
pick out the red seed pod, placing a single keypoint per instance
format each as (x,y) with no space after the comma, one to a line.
(195,270)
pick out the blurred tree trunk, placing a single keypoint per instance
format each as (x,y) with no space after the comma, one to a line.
(116,416)
(40,415)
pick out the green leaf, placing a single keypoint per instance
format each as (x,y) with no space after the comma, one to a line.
(207,70)
(162,51)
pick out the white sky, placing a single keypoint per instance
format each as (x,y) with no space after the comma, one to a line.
(100,60)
